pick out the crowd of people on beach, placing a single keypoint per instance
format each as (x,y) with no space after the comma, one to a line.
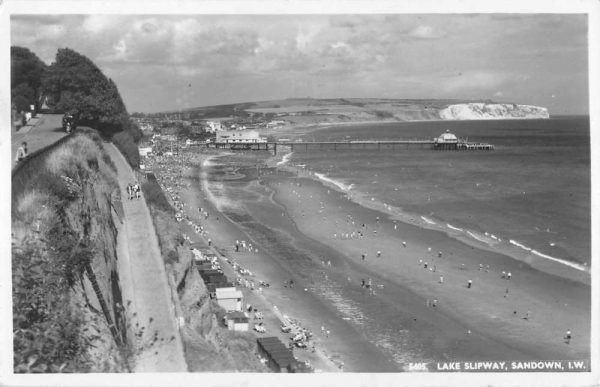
(367,233)
(171,180)
(170,175)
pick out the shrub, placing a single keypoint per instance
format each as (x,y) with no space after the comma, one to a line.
(383,114)
(35,205)
(46,331)
(126,145)
(155,196)
(172,257)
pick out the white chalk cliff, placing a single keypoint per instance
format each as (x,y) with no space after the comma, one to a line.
(492,111)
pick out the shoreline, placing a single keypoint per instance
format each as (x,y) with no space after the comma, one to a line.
(440,328)
(416,278)
(326,356)
(477,239)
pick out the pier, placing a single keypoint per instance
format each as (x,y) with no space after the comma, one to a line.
(349,145)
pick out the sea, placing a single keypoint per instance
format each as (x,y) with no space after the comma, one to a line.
(532,192)
(530,195)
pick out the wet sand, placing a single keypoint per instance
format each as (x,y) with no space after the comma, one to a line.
(292,222)
(339,348)
(555,304)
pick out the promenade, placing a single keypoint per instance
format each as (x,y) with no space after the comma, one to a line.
(41,131)
(156,341)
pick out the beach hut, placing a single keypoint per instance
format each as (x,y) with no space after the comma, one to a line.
(229,298)
(279,357)
(213,277)
(236,321)
(212,288)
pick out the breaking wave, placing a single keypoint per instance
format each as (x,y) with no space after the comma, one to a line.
(453,228)
(336,183)
(214,190)
(285,159)
(574,265)
(429,221)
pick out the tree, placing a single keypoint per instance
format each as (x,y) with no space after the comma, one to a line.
(27,72)
(22,96)
(75,84)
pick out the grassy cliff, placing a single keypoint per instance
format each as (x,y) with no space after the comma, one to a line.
(67,310)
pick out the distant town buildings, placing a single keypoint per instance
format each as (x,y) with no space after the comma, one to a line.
(213,126)
(144,151)
(239,136)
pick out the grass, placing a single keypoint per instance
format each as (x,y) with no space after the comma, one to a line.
(36,208)
(49,227)
(74,156)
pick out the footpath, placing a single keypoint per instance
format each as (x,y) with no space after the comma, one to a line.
(40,131)
(156,341)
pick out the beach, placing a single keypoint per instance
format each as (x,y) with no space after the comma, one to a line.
(277,300)
(308,232)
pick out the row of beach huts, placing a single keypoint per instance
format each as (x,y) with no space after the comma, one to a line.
(276,355)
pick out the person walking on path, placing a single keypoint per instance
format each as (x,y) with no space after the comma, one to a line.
(508,275)
(469,284)
(441,279)
(22,152)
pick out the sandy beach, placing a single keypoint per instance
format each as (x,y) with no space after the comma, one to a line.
(278,300)
(304,231)
(551,304)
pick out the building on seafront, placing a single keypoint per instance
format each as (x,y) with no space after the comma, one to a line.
(239,136)
(213,126)
(446,141)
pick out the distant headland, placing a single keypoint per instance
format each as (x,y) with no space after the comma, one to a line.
(307,111)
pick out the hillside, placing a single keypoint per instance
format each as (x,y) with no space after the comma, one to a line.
(67,314)
(306,111)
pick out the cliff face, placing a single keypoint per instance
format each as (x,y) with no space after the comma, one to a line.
(63,227)
(492,111)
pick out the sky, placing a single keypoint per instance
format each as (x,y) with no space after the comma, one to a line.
(171,62)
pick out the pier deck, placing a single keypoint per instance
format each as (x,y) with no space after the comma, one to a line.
(347,145)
